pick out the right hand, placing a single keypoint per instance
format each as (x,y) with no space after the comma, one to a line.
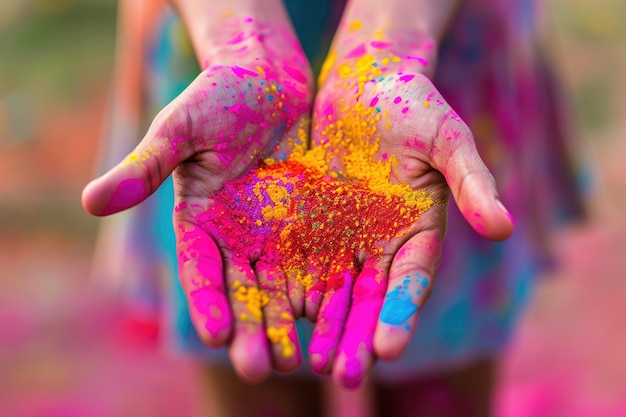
(221,125)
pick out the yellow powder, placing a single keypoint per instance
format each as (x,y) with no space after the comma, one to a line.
(280,335)
(254,299)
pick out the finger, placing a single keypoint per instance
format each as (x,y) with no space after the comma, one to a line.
(315,289)
(471,183)
(295,289)
(201,276)
(280,325)
(355,354)
(143,170)
(329,324)
(248,350)
(410,284)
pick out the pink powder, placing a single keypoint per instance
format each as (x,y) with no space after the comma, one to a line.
(295,74)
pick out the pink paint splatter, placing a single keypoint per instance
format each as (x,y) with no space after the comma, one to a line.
(397,100)
(404,110)
(128,193)
(373,101)
(295,74)
(239,38)
(407,78)
(380,45)
(357,52)
(241,72)
(328,110)
(421,60)
(212,305)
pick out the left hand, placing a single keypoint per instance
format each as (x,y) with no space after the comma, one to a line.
(376,311)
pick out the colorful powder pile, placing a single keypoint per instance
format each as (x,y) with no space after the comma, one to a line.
(310,221)
(307,223)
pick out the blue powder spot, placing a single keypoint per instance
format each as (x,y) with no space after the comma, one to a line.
(419,292)
(381,78)
(397,308)
(406,281)
(285,109)
(249,84)
(279,88)
(283,124)
(407,327)
(375,64)
(270,97)
(424,282)
(262,82)
(277,130)
(377,109)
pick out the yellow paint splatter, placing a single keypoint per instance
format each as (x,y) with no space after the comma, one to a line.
(355,25)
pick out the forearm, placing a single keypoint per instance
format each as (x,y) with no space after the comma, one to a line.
(409,30)
(239,31)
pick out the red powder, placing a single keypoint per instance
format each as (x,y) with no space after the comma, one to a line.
(312,226)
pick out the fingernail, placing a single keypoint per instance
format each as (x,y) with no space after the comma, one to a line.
(505,211)
(353,373)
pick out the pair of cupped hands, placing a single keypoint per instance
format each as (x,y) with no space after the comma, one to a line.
(236,113)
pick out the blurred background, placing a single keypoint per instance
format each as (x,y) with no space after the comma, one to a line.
(67,350)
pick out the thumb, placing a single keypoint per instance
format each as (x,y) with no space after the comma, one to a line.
(472,185)
(144,169)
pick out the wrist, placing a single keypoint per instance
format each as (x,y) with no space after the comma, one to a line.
(246,33)
(396,35)
(358,47)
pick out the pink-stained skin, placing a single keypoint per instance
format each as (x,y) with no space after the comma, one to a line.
(129,192)
(228,118)
(330,326)
(214,306)
(355,353)
(200,263)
